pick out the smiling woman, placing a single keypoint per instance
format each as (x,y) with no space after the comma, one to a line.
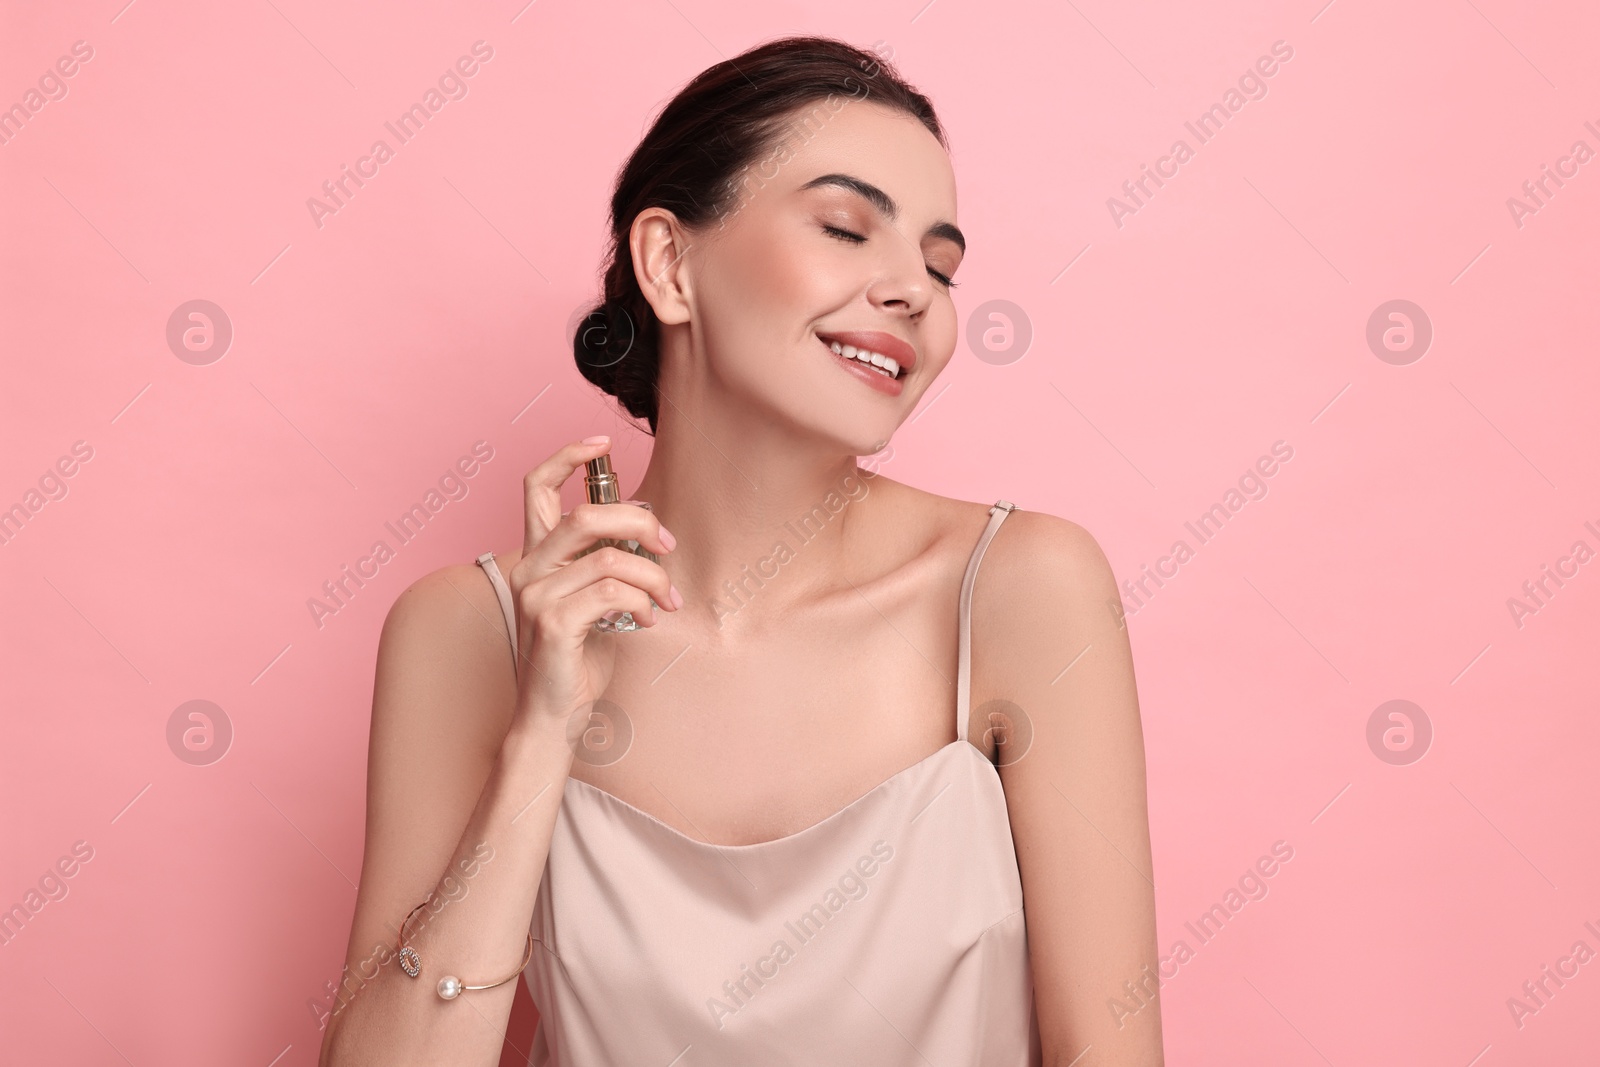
(768,336)
(846,104)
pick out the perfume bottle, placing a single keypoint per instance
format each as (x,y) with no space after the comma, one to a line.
(600,486)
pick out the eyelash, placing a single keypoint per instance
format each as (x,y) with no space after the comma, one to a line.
(846,235)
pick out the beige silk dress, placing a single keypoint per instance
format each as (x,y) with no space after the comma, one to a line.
(889,933)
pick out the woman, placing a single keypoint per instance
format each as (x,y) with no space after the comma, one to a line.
(795,815)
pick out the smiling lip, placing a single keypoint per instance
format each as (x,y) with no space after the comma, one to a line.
(885,344)
(873,377)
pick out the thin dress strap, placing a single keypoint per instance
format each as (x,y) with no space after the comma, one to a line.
(503,591)
(997,513)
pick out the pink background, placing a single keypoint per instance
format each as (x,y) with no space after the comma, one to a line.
(1229,312)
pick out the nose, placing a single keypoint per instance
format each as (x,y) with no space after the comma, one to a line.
(903,285)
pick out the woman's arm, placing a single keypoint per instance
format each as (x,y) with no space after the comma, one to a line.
(1048,634)
(467,768)
(456,807)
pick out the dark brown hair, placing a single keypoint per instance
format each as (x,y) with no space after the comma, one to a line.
(693,161)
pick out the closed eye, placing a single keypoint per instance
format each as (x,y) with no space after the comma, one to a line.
(856,238)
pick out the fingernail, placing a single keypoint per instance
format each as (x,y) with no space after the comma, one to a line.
(677,597)
(667,538)
(598,439)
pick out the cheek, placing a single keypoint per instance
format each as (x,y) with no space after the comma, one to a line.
(757,276)
(746,321)
(941,334)
(765,291)
(791,273)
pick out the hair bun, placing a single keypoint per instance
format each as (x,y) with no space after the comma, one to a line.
(604,336)
(614,354)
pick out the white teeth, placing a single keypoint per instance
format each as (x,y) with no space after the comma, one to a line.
(882,362)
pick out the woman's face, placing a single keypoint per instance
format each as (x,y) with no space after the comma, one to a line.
(847,228)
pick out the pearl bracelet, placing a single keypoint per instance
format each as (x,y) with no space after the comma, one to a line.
(449,986)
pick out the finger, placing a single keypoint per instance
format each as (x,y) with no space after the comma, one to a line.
(586,524)
(608,562)
(541,487)
(574,616)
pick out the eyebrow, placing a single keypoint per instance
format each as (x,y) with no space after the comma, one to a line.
(885,204)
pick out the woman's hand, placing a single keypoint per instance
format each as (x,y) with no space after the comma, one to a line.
(565,665)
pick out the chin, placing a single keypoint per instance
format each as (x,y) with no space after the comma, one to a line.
(853,442)
(832,410)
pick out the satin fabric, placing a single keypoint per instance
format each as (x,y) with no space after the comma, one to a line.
(892,932)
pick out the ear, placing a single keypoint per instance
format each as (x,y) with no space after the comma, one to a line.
(658,248)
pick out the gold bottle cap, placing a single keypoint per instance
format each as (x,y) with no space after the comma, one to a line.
(600,482)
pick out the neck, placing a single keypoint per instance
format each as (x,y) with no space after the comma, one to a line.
(762,522)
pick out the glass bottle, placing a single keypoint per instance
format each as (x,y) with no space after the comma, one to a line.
(601,487)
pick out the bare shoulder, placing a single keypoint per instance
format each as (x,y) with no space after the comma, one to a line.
(453,610)
(1034,550)
(445,670)
(1029,548)
(1046,619)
